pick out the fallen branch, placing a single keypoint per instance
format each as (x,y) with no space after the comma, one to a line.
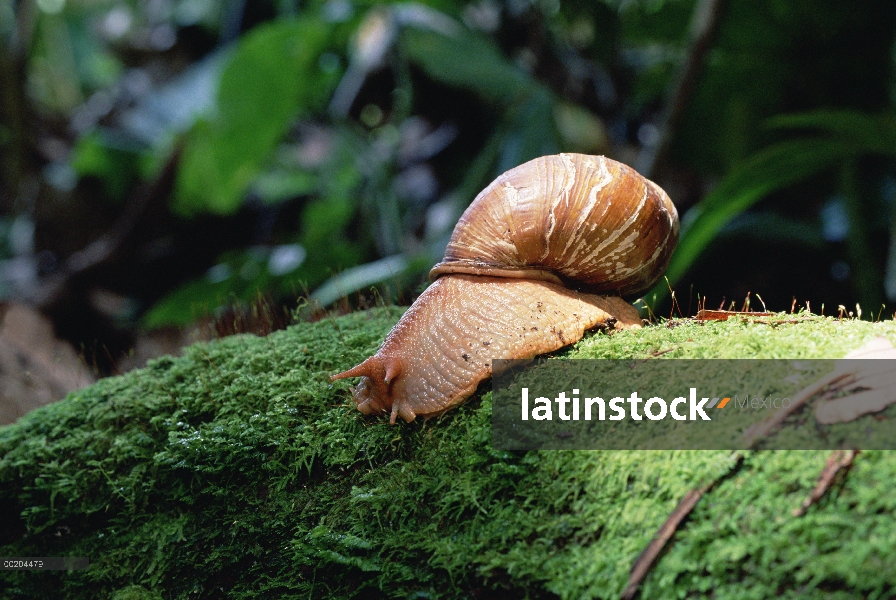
(840,460)
(705,23)
(648,557)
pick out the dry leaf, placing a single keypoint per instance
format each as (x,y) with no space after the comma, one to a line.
(876,379)
(853,374)
(36,368)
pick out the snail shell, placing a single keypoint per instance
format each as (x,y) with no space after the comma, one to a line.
(521,277)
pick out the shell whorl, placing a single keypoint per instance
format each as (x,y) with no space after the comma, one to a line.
(580,220)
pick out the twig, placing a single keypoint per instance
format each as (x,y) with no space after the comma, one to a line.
(761,429)
(724,315)
(840,460)
(104,248)
(15,107)
(704,27)
(653,355)
(777,322)
(648,557)
(661,352)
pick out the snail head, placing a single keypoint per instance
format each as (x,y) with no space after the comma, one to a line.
(374,394)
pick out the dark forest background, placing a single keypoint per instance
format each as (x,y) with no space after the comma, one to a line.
(168,163)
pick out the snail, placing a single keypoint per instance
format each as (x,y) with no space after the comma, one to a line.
(547,251)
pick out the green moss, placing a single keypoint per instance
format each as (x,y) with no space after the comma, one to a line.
(239,468)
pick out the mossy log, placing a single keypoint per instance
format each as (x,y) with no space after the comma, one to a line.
(239,470)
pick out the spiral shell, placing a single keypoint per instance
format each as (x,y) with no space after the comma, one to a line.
(521,277)
(587,222)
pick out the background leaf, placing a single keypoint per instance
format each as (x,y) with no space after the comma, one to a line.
(770,170)
(271,79)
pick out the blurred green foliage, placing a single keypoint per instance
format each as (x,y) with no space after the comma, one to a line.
(365,128)
(117,167)
(271,79)
(833,140)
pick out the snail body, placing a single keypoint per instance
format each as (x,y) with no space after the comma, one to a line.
(544,253)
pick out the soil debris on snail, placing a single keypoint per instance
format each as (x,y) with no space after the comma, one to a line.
(547,251)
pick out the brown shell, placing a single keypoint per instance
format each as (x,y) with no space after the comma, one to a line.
(586,221)
(442,347)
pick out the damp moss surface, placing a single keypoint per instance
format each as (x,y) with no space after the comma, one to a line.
(239,470)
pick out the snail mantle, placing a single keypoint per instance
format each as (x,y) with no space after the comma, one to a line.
(548,250)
